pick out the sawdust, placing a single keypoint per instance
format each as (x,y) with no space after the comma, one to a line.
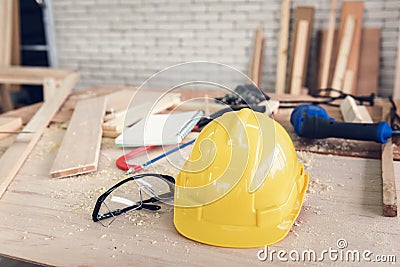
(315,186)
(53,135)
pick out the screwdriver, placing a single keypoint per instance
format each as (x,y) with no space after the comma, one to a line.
(311,121)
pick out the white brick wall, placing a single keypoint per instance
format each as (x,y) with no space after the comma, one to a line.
(126,41)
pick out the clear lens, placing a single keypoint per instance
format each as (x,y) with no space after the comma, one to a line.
(161,189)
(126,196)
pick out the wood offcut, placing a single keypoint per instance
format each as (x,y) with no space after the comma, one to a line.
(389,193)
(80,148)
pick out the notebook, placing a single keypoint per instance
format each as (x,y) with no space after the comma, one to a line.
(160,129)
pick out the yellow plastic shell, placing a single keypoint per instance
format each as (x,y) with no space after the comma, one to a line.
(242,185)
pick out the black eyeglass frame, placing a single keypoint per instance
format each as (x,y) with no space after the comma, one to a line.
(143,205)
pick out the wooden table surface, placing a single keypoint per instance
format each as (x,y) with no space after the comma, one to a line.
(48,220)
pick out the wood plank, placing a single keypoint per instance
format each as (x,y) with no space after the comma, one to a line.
(281,66)
(389,194)
(16,42)
(16,35)
(6,102)
(329,46)
(322,37)
(9,125)
(348,80)
(260,64)
(6,37)
(114,102)
(6,23)
(255,62)
(343,55)
(30,75)
(49,88)
(356,10)
(15,156)
(368,70)
(80,148)
(300,55)
(396,88)
(301,13)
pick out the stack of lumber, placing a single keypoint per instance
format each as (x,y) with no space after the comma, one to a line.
(12,160)
(349,56)
(80,147)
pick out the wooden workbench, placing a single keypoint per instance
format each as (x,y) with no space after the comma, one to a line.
(49,220)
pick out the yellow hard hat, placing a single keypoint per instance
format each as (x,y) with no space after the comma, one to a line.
(242,185)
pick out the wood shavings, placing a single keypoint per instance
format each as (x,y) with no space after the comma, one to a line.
(316,186)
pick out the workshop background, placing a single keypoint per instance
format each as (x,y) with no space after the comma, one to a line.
(125,42)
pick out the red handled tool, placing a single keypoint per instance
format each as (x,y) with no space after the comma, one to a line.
(122,161)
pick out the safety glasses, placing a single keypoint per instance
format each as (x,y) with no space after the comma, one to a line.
(128,195)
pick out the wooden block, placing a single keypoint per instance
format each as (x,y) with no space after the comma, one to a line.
(281,66)
(301,13)
(254,71)
(352,112)
(299,58)
(389,194)
(356,10)
(80,148)
(368,70)
(329,46)
(12,160)
(9,125)
(343,55)
(396,89)
(111,134)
